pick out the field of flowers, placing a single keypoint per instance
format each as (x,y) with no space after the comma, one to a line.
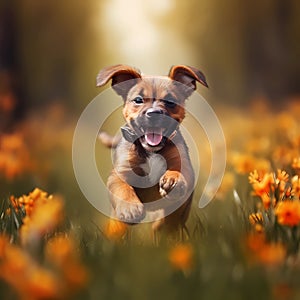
(243,245)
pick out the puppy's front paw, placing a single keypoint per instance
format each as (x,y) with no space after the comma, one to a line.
(172,185)
(130,212)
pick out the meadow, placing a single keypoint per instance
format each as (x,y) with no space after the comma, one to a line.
(243,245)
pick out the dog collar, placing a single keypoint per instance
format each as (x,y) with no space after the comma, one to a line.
(172,135)
(128,134)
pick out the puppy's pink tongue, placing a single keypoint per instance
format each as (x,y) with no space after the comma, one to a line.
(153,136)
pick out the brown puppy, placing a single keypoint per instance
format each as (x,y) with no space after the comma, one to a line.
(152,159)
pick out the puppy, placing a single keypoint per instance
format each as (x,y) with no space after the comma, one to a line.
(152,159)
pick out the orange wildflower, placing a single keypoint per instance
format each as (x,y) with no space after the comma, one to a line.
(259,228)
(258,145)
(115,229)
(181,257)
(296,186)
(296,163)
(282,291)
(29,201)
(272,254)
(60,248)
(283,154)
(261,184)
(255,241)
(42,284)
(264,185)
(288,193)
(14,155)
(254,177)
(282,175)
(281,181)
(288,213)
(28,279)
(285,122)
(242,163)
(267,201)
(62,252)
(45,217)
(256,218)
(263,252)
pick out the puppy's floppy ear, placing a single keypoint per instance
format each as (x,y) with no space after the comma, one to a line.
(123,78)
(188,76)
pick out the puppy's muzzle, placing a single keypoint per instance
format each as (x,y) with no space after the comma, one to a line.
(153,127)
(154,117)
(156,125)
(154,112)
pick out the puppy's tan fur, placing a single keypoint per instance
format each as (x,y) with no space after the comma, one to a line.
(146,100)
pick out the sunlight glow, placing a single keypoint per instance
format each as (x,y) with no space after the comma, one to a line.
(136,34)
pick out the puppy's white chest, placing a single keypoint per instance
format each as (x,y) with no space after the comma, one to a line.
(155,166)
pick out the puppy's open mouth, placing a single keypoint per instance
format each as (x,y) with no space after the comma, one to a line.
(153,136)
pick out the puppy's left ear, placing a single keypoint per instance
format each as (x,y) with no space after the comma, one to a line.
(123,78)
(187,76)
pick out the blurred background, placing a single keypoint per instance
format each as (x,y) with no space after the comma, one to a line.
(51,52)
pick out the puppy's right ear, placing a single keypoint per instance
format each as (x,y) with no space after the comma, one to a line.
(123,78)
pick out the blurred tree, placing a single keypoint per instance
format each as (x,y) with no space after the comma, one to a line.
(271,35)
(52,47)
(247,48)
(57,50)
(10,98)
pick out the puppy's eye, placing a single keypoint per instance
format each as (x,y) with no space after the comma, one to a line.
(170,103)
(138,100)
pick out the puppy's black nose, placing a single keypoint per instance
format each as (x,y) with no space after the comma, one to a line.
(153,112)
